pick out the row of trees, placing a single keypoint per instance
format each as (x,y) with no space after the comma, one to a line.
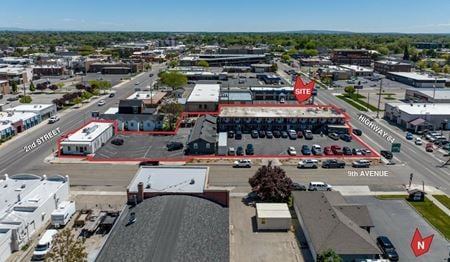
(173,79)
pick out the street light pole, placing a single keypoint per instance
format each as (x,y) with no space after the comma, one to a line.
(379,98)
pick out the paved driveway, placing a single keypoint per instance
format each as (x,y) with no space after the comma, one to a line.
(398,221)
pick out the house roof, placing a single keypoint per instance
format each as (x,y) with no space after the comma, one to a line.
(130,103)
(129,117)
(170,228)
(328,220)
(205,128)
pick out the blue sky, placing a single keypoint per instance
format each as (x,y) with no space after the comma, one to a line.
(410,16)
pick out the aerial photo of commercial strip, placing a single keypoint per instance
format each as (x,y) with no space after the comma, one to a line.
(199,131)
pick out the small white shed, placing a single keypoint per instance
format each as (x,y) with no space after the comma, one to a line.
(222,147)
(273,216)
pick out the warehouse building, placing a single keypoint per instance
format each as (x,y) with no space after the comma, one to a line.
(203,98)
(19,121)
(88,139)
(26,204)
(416,80)
(428,95)
(418,117)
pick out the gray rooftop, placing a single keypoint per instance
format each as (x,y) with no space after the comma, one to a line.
(205,128)
(328,219)
(439,93)
(170,228)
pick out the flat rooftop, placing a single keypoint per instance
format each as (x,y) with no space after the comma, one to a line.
(439,93)
(16,116)
(357,68)
(89,132)
(171,179)
(389,62)
(416,76)
(277,111)
(423,108)
(205,93)
(31,107)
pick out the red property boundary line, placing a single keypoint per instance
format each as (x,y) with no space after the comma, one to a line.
(374,156)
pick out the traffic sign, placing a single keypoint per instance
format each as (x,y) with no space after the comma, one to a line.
(395,148)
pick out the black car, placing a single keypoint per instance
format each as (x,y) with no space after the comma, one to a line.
(276,134)
(347,151)
(388,248)
(386,154)
(346,137)
(238,135)
(12,99)
(149,163)
(284,134)
(230,134)
(262,134)
(254,134)
(250,150)
(117,141)
(333,163)
(240,151)
(171,146)
(298,187)
(269,134)
(357,132)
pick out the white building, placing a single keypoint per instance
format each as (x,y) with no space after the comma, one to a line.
(44,111)
(26,203)
(88,139)
(203,98)
(358,70)
(417,80)
(19,121)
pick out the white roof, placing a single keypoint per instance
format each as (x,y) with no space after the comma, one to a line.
(88,133)
(47,236)
(62,208)
(205,93)
(141,95)
(357,68)
(389,62)
(272,210)
(171,179)
(423,108)
(439,93)
(30,107)
(416,76)
(112,111)
(276,112)
(16,116)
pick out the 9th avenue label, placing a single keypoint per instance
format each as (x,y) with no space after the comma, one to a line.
(44,138)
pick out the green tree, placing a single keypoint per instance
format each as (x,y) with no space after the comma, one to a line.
(100,84)
(202,63)
(86,50)
(435,67)
(60,85)
(350,90)
(421,64)
(173,111)
(32,87)
(271,184)
(66,248)
(406,53)
(25,99)
(383,50)
(147,66)
(446,69)
(329,255)
(173,79)
(14,87)
(285,57)
(274,67)
(310,52)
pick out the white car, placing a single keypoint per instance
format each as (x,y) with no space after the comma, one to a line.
(319,186)
(361,163)
(101,103)
(316,149)
(308,163)
(53,119)
(418,141)
(292,151)
(242,163)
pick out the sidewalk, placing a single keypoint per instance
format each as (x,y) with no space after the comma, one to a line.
(438,204)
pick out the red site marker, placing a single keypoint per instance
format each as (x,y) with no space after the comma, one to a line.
(420,245)
(303,91)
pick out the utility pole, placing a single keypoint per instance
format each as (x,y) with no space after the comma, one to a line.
(379,98)
(434,87)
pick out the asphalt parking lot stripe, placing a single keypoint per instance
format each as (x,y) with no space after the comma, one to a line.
(148,150)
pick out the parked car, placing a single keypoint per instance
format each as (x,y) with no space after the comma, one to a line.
(316,150)
(254,134)
(13,98)
(308,163)
(291,151)
(292,134)
(357,132)
(346,137)
(327,151)
(112,94)
(429,147)
(298,187)
(418,141)
(366,151)
(306,150)
(44,245)
(230,134)
(319,186)
(172,146)
(149,163)
(409,136)
(53,119)
(231,151)
(262,134)
(117,141)
(240,151)
(333,163)
(357,152)
(269,134)
(308,134)
(250,150)
(347,151)
(276,134)
(361,163)
(242,163)
(386,154)
(337,150)
(387,248)
(101,103)
(333,136)
(299,134)
(238,135)
(284,134)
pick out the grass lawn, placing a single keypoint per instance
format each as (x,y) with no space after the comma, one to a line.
(434,215)
(391,197)
(445,200)
(351,102)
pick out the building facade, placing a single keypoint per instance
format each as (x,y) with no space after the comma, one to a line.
(416,80)
(385,66)
(351,57)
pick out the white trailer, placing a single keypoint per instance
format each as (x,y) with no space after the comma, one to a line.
(62,215)
(273,216)
(222,147)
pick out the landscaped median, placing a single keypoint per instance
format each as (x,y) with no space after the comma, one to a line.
(445,200)
(427,209)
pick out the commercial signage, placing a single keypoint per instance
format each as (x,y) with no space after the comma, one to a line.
(419,244)
(303,91)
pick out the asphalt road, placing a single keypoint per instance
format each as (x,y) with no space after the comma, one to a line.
(14,159)
(415,160)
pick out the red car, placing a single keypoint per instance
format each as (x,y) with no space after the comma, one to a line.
(327,151)
(429,147)
(337,150)
(299,134)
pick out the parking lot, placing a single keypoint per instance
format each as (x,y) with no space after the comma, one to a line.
(279,146)
(398,221)
(143,146)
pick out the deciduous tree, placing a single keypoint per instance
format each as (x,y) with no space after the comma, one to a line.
(173,79)
(329,256)
(66,248)
(271,184)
